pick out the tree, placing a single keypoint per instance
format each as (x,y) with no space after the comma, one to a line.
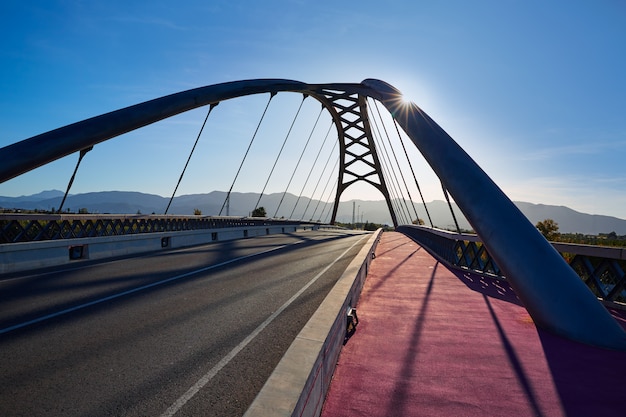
(370,227)
(259,212)
(197,212)
(548,228)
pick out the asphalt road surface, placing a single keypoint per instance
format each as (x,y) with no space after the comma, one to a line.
(190,332)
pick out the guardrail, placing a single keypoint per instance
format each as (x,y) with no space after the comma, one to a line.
(15,228)
(600,267)
(80,238)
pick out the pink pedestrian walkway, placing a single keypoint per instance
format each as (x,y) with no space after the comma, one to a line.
(433,342)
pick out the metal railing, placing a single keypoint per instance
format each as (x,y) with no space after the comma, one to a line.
(15,228)
(600,267)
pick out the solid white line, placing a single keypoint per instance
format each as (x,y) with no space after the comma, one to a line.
(178,404)
(134,290)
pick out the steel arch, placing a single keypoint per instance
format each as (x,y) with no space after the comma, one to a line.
(550,290)
(39,150)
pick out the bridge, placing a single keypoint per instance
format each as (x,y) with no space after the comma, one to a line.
(506,252)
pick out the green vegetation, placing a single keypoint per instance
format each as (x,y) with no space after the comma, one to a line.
(259,212)
(603,239)
(549,229)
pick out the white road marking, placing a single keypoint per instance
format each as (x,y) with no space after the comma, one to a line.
(191,392)
(134,290)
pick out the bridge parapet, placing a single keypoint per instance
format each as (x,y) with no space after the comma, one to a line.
(601,268)
(52,240)
(16,228)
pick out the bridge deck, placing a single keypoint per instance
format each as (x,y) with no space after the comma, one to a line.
(434,342)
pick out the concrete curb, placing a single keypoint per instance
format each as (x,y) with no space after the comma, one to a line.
(298,385)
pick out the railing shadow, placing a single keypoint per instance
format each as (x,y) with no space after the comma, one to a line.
(585,380)
(488,286)
(589,381)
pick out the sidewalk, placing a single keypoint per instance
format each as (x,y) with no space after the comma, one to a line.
(432,342)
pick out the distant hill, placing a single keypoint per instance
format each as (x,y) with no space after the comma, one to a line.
(571,221)
(44,195)
(289,206)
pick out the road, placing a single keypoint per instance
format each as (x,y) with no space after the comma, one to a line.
(190,332)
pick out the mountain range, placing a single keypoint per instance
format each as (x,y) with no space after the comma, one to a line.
(290,206)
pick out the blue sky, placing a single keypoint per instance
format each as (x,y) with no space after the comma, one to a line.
(534,91)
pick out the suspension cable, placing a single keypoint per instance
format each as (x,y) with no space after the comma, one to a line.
(392,187)
(393,192)
(390,162)
(304,96)
(324,190)
(81,155)
(272,94)
(397,162)
(392,176)
(330,194)
(299,160)
(320,177)
(311,170)
(445,193)
(213,105)
(395,123)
